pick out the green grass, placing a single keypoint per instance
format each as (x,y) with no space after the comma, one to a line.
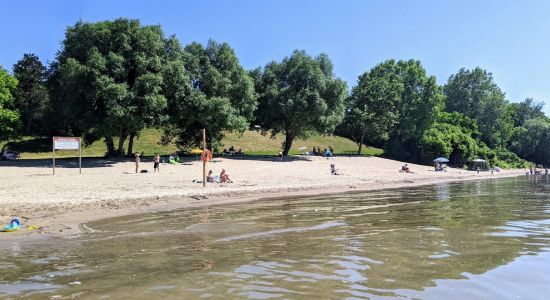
(251,142)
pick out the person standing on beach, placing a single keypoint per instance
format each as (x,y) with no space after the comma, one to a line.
(137,162)
(156,162)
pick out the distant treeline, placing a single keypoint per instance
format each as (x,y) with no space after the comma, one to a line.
(115,78)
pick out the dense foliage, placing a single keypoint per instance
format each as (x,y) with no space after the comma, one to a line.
(453,135)
(474,94)
(9,117)
(31,97)
(115,78)
(206,87)
(109,80)
(299,96)
(418,106)
(372,106)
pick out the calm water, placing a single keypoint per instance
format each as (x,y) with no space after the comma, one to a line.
(475,240)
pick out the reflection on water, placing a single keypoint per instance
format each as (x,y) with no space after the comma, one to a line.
(476,240)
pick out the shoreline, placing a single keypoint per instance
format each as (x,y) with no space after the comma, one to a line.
(62,218)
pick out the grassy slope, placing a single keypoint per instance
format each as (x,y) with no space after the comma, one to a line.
(251,142)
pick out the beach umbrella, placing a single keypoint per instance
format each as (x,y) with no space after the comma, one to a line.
(196,151)
(441,160)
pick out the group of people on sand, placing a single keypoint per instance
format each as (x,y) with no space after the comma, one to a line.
(232,151)
(537,171)
(156,162)
(326,152)
(223,178)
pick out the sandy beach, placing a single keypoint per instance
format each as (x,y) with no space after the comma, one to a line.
(59,204)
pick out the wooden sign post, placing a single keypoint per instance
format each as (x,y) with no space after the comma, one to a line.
(67,143)
(205,157)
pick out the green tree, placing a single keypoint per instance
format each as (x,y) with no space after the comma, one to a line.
(300,96)
(108,79)
(474,94)
(453,135)
(532,140)
(371,109)
(419,104)
(31,97)
(526,110)
(207,88)
(9,117)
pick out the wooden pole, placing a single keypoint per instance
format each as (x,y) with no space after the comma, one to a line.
(80,155)
(53,150)
(204,155)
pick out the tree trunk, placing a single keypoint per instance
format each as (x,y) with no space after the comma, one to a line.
(360,144)
(121,139)
(289,138)
(131,145)
(110,145)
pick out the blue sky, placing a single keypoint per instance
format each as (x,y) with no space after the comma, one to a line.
(511,39)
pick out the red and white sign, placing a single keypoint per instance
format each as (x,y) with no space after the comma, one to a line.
(66,143)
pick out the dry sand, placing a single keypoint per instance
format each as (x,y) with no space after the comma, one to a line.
(60,204)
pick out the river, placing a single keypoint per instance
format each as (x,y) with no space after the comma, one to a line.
(486,239)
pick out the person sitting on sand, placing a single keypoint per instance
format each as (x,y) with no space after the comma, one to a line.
(210,177)
(405,168)
(224,177)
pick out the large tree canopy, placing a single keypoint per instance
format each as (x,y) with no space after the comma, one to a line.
(9,117)
(525,110)
(207,88)
(532,140)
(299,96)
(371,109)
(419,104)
(474,94)
(32,95)
(109,78)
(454,136)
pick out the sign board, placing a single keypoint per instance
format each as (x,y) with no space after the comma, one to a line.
(66,143)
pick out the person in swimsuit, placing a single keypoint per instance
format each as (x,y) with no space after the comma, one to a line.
(156,163)
(224,177)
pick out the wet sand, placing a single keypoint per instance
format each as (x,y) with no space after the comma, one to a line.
(60,204)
